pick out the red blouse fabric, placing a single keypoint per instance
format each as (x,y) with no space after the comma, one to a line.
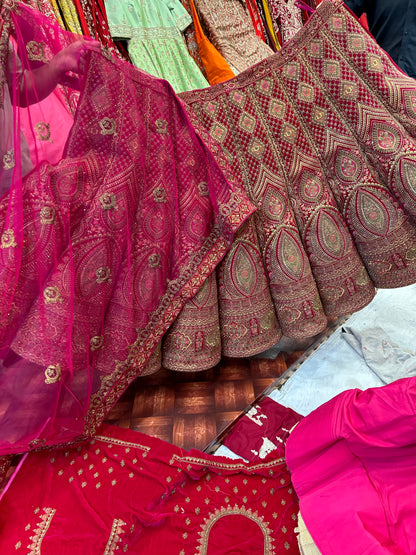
(124,492)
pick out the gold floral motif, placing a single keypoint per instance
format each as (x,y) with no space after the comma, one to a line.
(154,260)
(315,49)
(265,86)
(36,51)
(349,90)
(289,133)
(306,93)
(247,122)
(238,98)
(292,71)
(213,518)
(159,194)
(375,64)
(218,132)
(43,131)
(8,160)
(53,374)
(52,295)
(277,109)
(332,69)
(337,23)
(256,148)
(40,531)
(211,108)
(355,43)
(115,536)
(107,126)
(203,189)
(96,342)
(7,239)
(47,215)
(162,126)
(103,274)
(108,201)
(319,115)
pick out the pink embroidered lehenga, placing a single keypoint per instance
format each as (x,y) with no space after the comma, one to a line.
(121,220)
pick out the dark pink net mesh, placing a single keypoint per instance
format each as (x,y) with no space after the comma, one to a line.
(113,214)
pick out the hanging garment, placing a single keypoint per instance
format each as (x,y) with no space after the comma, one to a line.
(255,18)
(322,135)
(231,31)
(216,68)
(101,248)
(354,460)
(273,34)
(94,23)
(191,39)
(70,16)
(286,18)
(156,44)
(124,492)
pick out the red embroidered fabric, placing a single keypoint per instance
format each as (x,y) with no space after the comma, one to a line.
(262,430)
(101,244)
(124,492)
(322,134)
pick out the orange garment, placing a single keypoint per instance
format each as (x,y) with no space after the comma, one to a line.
(216,68)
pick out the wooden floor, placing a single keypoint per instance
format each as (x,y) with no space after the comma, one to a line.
(192,409)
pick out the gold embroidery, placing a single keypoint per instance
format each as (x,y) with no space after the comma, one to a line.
(277,109)
(41,530)
(52,295)
(108,201)
(115,537)
(8,160)
(213,518)
(218,131)
(247,122)
(18,545)
(154,260)
(265,86)
(159,194)
(103,274)
(35,51)
(96,342)
(47,215)
(53,374)
(256,148)
(108,126)
(162,126)
(43,131)
(203,189)
(289,133)
(7,239)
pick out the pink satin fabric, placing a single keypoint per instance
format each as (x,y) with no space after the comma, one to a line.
(353,463)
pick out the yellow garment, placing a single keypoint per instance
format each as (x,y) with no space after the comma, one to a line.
(71,20)
(270,23)
(57,13)
(216,67)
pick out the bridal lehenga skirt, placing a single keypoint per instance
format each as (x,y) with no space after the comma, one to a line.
(322,136)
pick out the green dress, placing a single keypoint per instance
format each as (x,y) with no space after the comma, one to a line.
(153,29)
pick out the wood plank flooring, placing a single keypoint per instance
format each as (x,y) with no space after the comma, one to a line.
(191,409)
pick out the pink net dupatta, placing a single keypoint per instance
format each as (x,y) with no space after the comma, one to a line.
(102,244)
